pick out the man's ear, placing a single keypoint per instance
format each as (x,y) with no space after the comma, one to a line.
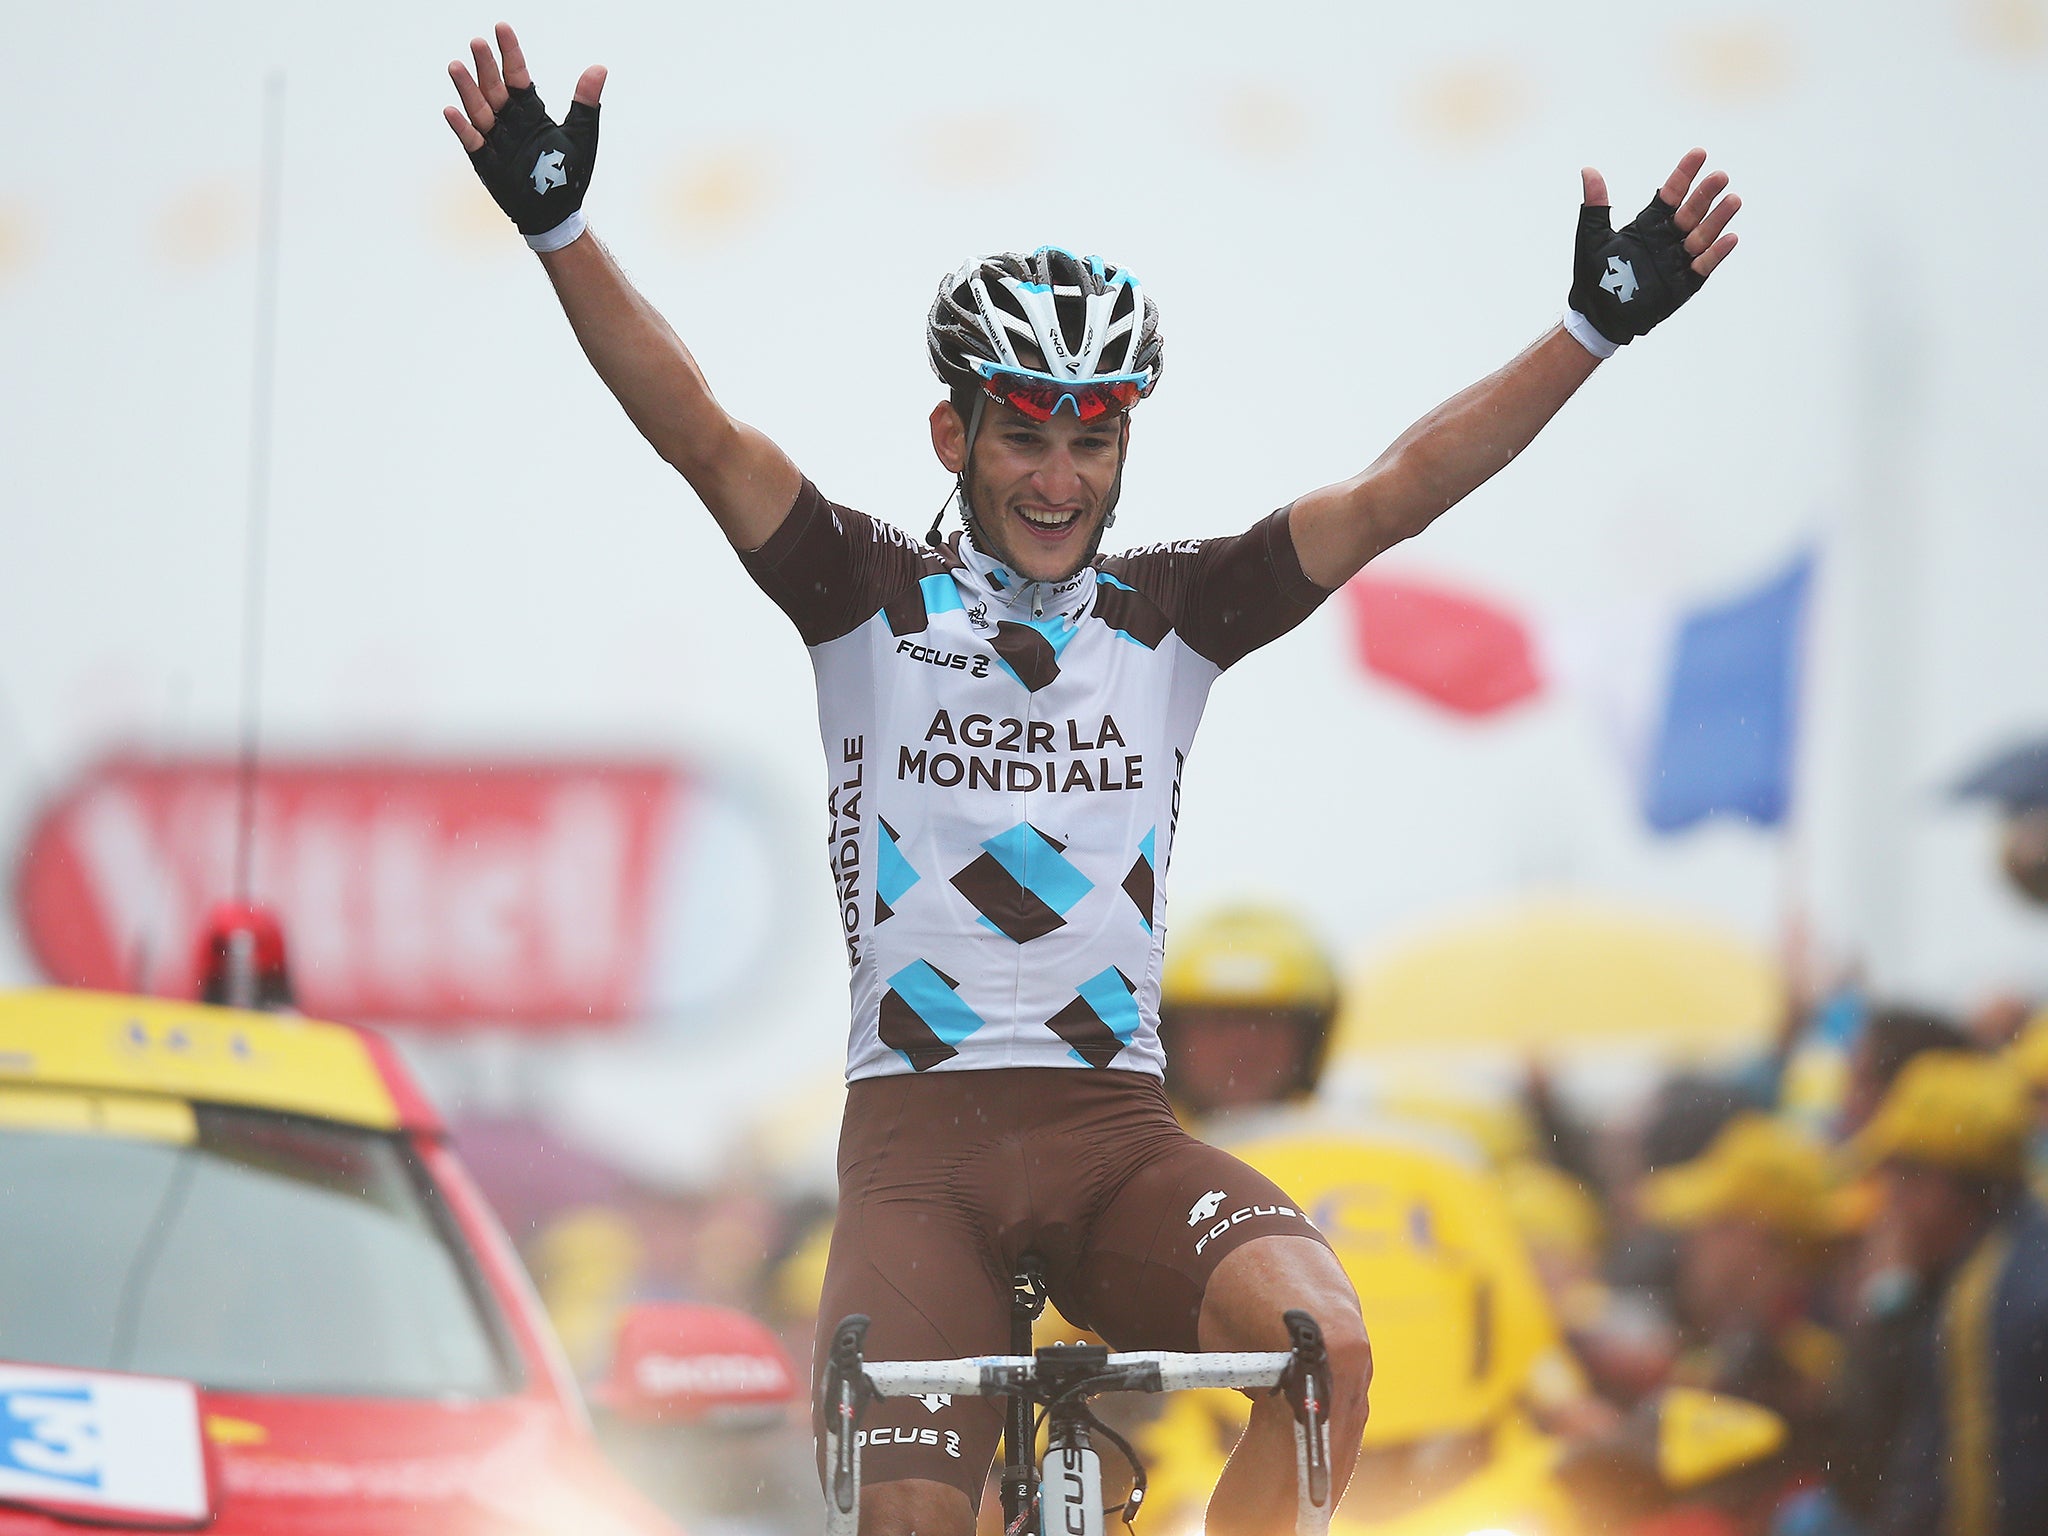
(949,437)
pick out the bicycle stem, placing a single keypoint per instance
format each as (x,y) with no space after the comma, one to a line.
(1020,1472)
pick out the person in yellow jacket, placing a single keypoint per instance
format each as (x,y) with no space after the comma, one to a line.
(1760,1216)
(1949,1148)
(1466,1346)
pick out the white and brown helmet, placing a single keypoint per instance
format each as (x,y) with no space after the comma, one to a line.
(1051,315)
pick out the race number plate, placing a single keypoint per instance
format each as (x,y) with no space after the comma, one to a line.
(122,1448)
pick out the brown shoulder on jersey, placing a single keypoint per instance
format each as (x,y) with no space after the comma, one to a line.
(831,569)
(1225,597)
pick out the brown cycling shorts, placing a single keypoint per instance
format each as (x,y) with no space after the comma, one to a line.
(946,1179)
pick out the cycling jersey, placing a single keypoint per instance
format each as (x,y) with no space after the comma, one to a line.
(1004,761)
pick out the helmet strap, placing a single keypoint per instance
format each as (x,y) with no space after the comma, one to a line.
(960,480)
(1116,486)
(1116,490)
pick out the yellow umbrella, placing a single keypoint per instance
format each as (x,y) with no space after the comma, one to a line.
(1563,973)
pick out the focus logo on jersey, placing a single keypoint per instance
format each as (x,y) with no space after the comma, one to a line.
(975,664)
(1627,281)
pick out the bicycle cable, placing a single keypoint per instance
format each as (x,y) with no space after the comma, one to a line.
(1128,1511)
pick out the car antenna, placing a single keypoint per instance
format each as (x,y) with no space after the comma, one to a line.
(255,543)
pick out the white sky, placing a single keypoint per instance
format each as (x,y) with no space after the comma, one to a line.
(1346,213)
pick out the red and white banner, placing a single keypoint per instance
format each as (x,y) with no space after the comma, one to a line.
(541,894)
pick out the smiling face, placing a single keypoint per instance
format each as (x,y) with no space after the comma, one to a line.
(1040,489)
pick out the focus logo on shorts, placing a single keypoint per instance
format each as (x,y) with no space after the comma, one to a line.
(910,1434)
(1248,1213)
(1206,1207)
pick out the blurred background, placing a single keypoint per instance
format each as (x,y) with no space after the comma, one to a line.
(1706,684)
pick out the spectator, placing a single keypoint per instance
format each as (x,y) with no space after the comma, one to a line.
(1890,1038)
(1971,1456)
(1886,1307)
(1758,1216)
(1689,1111)
(2029,1053)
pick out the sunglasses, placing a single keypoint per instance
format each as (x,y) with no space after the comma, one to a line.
(1042,397)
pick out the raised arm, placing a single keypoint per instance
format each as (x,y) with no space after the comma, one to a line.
(538,171)
(1623,284)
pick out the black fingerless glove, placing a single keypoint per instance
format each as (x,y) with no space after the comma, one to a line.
(538,171)
(1625,282)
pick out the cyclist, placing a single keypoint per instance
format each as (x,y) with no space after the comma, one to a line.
(1005,717)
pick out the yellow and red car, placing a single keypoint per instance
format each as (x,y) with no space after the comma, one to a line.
(246,1287)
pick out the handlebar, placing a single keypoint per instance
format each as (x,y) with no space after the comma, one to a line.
(1063,1376)
(1144,1371)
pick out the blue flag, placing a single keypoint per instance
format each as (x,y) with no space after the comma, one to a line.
(1730,723)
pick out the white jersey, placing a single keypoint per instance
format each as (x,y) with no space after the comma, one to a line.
(1004,761)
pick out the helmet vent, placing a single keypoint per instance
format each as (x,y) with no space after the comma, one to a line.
(1050,312)
(1072,311)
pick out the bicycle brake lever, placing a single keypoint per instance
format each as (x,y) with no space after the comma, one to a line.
(1307,1385)
(844,1390)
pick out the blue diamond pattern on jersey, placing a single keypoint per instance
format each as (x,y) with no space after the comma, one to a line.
(1040,865)
(1022,885)
(922,1016)
(1110,996)
(1142,882)
(935,1001)
(1101,1020)
(893,874)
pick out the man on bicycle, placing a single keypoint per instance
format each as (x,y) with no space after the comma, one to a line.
(1005,719)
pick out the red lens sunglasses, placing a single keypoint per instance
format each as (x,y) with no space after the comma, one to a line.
(1042,398)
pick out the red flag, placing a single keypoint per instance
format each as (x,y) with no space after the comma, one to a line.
(1461,652)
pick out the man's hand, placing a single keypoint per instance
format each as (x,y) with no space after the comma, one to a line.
(1625,282)
(536,170)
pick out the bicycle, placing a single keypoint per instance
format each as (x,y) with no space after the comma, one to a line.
(1051,1386)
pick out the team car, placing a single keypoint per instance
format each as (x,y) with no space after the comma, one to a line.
(247,1287)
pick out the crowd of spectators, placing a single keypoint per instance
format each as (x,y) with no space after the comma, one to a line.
(1849,1233)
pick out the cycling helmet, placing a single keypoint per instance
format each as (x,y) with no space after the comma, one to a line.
(1259,960)
(1051,313)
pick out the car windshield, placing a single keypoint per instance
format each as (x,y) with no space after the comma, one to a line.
(242,1250)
